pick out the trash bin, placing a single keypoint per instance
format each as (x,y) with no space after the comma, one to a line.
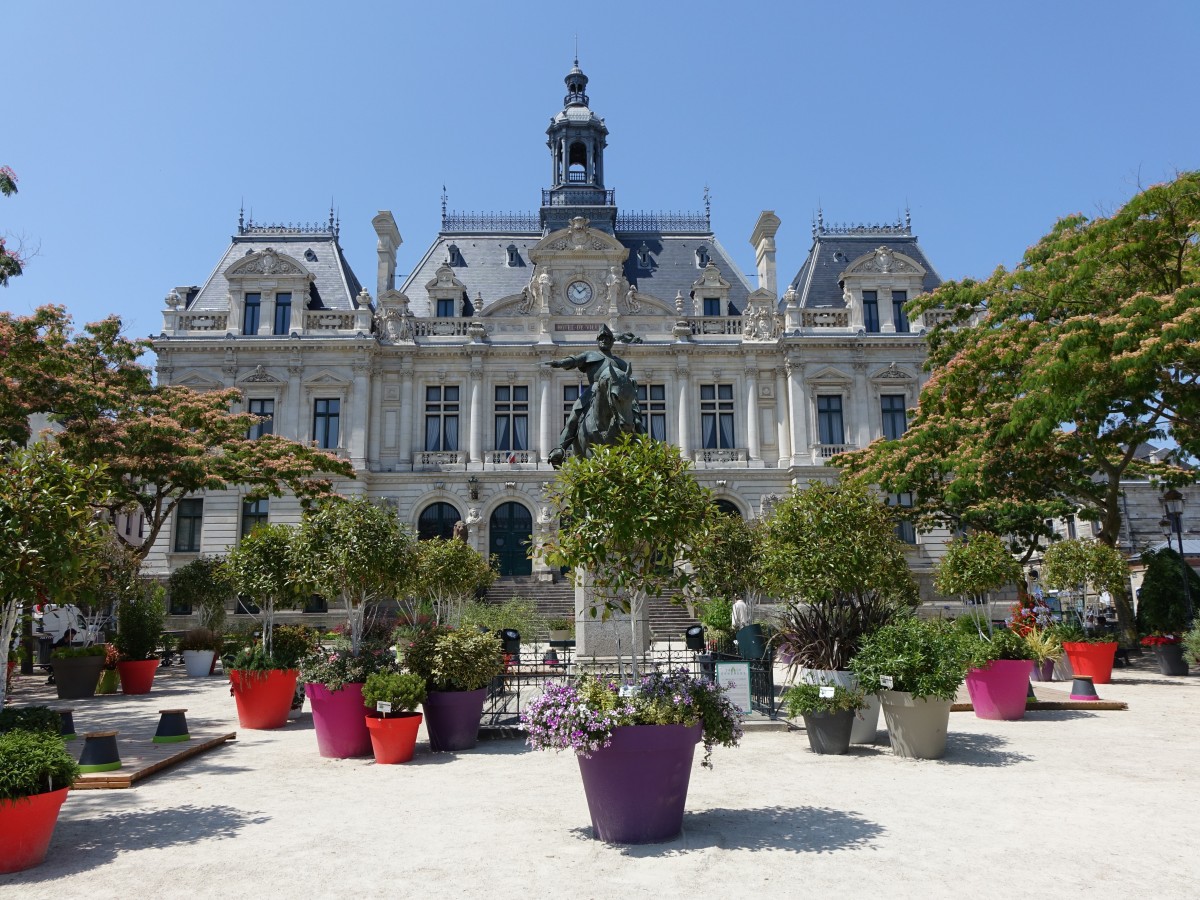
(510,638)
(694,637)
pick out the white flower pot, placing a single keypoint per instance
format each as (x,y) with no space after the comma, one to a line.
(866,721)
(198,662)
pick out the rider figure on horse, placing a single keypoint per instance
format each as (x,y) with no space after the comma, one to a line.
(599,365)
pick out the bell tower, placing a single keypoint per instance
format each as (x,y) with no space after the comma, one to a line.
(577,138)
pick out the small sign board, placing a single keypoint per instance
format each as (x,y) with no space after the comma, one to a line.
(734,678)
(826,691)
(628,690)
(887,681)
(383,707)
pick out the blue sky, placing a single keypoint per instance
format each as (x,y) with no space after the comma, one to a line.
(137,129)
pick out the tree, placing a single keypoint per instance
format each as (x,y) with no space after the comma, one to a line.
(10,262)
(158,443)
(49,539)
(206,585)
(630,514)
(728,562)
(448,573)
(357,552)
(1073,565)
(265,567)
(976,565)
(1161,604)
(1048,379)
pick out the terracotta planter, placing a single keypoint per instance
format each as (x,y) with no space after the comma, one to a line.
(637,787)
(1000,690)
(452,718)
(393,739)
(199,663)
(1093,660)
(263,698)
(866,721)
(137,675)
(338,720)
(76,678)
(916,725)
(27,825)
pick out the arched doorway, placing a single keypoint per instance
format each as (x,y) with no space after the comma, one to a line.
(727,507)
(437,521)
(510,531)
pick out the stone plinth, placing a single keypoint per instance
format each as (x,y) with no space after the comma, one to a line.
(608,638)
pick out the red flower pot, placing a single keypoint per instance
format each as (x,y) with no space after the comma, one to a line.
(637,786)
(1095,660)
(999,690)
(263,698)
(393,739)
(137,675)
(27,824)
(338,720)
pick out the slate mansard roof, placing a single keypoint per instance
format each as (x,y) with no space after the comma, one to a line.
(835,248)
(334,284)
(484,269)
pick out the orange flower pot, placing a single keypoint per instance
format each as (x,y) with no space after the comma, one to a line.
(263,698)
(393,740)
(1094,660)
(28,824)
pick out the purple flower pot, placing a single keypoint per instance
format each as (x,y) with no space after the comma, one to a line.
(1043,671)
(636,787)
(452,719)
(1000,690)
(339,721)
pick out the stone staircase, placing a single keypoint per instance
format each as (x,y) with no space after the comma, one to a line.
(557,600)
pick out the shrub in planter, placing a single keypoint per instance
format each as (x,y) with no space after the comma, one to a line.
(199,647)
(457,667)
(35,773)
(390,700)
(1168,649)
(140,617)
(333,682)
(924,662)
(828,712)
(1090,653)
(1000,662)
(77,670)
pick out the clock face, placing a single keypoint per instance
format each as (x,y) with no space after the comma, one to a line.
(579,292)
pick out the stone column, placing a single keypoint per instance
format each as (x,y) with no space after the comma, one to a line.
(356,446)
(408,414)
(861,407)
(683,392)
(753,443)
(545,412)
(293,419)
(374,421)
(797,414)
(783,432)
(475,435)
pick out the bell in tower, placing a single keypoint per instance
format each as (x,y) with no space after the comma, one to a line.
(577,138)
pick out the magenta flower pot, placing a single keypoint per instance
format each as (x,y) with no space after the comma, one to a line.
(339,721)
(452,718)
(637,786)
(1000,690)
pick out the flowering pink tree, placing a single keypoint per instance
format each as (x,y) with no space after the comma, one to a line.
(10,262)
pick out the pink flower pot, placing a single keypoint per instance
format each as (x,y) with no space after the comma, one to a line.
(338,718)
(999,691)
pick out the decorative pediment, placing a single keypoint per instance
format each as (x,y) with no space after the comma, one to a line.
(198,382)
(444,280)
(267,262)
(326,379)
(884,261)
(710,278)
(893,373)
(260,376)
(830,376)
(578,238)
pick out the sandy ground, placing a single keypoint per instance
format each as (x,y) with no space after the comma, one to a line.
(1061,804)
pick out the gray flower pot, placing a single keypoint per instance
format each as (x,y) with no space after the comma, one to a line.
(829,733)
(916,726)
(76,678)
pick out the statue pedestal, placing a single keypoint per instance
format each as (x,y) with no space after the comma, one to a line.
(605,638)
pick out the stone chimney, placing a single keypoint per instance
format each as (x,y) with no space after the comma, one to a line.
(389,243)
(762,239)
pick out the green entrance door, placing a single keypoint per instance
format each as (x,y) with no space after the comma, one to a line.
(510,530)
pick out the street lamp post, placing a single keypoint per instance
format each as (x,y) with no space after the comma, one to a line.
(1172,502)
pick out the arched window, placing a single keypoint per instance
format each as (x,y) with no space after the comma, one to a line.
(437,521)
(727,508)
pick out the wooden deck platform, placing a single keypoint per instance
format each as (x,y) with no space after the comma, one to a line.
(1047,698)
(141,757)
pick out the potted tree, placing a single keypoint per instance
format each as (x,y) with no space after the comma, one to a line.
(77,670)
(1162,609)
(391,700)
(916,667)
(1071,565)
(140,617)
(446,574)
(833,557)
(999,665)
(974,566)
(728,566)
(360,554)
(456,667)
(199,648)
(828,712)
(205,585)
(36,771)
(263,566)
(609,729)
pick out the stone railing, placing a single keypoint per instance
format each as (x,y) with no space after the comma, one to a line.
(720,325)
(511,457)
(824,318)
(823,452)
(317,320)
(440,459)
(204,322)
(457,327)
(933,317)
(709,458)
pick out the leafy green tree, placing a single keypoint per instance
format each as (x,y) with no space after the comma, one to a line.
(835,541)
(158,444)
(447,573)
(1049,378)
(1161,602)
(10,262)
(630,514)
(728,563)
(975,565)
(1073,565)
(205,584)
(356,552)
(49,538)
(265,567)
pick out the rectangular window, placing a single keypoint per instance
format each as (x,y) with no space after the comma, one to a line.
(653,400)
(246,607)
(254,513)
(283,313)
(441,418)
(899,299)
(871,311)
(188,516)
(716,416)
(712,306)
(904,528)
(265,409)
(512,417)
(570,395)
(327,418)
(445,308)
(316,604)
(250,315)
(1072,533)
(895,420)
(829,419)
(178,607)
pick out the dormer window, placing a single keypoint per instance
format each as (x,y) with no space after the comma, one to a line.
(643,257)
(453,256)
(251,313)
(445,308)
(513,257)
(701,257)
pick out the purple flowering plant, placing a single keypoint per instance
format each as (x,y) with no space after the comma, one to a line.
(581,715)
(336,667)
